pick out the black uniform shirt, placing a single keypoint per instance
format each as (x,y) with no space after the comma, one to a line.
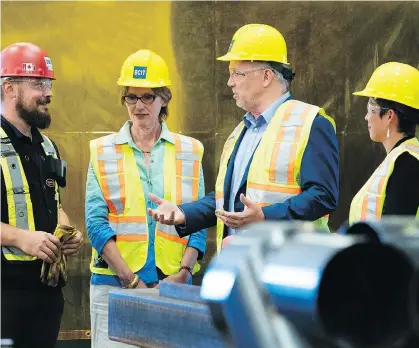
(402,192)
(24,274)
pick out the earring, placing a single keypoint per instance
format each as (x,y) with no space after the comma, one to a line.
(388,132)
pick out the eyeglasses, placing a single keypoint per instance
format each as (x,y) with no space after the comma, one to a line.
(40,84)
(373,109)
(237,73)
(145,98)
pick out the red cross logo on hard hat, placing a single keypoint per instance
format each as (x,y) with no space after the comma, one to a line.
(28,67)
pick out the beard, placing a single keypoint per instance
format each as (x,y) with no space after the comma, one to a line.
(34,117)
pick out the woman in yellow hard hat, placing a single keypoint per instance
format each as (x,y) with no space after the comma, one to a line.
(392,116)
(130,250)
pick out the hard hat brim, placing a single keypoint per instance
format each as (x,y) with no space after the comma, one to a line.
(143,84)
(230,57)
(252,58)
(372,93)
(363,93)
(29,75)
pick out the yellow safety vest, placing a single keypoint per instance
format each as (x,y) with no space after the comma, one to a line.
(275,169)
(19,202)
(117,173)
(368,202)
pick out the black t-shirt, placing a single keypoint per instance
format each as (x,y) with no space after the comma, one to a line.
(26,274)
(402,192)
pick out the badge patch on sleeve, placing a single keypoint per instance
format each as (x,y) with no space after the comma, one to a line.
(140,72)
(50,182)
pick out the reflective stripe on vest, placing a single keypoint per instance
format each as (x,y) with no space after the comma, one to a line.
(117,173)
(275,169)
(169,232)
(369,201)
(188,159)
(111,176)
(20,209)
(130,228)
(222,171)
(267,195)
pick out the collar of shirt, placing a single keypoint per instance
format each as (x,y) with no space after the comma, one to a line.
(36,135)
(124,135)
(267,115)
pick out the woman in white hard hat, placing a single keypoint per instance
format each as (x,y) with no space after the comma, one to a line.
(392,116)
(130,250)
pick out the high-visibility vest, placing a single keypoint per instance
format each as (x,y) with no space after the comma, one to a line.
(369,201)
(117,173)
(274,174)
(19,201)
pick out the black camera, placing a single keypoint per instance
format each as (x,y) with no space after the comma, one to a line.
(58,170)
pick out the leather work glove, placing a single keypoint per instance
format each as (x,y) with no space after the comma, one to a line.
(51,272)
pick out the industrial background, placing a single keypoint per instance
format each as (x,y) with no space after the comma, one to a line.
(332,46)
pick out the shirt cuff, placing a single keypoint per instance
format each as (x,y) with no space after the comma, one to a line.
(103,240)
(181,229)
(275,212)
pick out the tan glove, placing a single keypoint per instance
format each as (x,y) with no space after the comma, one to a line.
(51,272)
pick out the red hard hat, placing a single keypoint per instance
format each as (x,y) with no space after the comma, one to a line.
(26,59)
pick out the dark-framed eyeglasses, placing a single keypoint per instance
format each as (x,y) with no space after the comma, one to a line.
(145,98)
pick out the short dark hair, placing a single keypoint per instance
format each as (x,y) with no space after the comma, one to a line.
(163,92)
(407,116)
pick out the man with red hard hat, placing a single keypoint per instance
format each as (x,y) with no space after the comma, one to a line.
(31,174)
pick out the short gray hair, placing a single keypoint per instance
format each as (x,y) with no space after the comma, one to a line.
(279,76)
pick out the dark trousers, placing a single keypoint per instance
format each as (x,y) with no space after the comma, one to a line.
(31,318)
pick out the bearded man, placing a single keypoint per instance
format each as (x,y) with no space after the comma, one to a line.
(31,174)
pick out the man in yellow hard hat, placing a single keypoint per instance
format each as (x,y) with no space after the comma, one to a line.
(392,116)
(281,162)
(130,250)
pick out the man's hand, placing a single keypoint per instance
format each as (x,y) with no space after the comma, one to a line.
(182,276)
(252,213)
(41,244)
(166,213)
(73,245)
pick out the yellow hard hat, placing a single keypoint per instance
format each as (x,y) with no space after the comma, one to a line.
(396,82)
(258,42)
(144,68)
